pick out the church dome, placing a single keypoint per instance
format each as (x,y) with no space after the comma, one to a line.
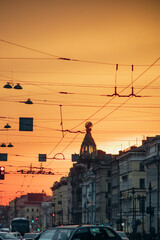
(88,147)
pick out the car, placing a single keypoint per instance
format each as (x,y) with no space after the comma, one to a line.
(122,235)
(30,236)
(17,235)
(5,229)
(7,236)
(81,232)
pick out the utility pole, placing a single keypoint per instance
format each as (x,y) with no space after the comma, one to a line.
(15,207)
(133,192)
(158,193)
(157,162)
(121,228)
(142,210)
(133,221)
(150,208)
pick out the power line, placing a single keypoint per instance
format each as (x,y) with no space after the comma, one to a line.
(28,48)
(114,96)
(124,102)
(58,57)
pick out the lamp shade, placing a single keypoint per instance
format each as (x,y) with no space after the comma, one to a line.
(8,85)
(10,145)
(18,86)
(7,126)
(3,145)
(28,101)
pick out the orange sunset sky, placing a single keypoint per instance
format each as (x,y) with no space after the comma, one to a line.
(64,53)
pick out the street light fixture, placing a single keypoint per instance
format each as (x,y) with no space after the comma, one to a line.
(3,145)
(18,86)
(28,101)
(10,145)
(7,85)
(7,126)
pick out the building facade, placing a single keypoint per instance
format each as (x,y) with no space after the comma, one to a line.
(120,190)
(152,162)
(132,186)
(60,202)
(30,207)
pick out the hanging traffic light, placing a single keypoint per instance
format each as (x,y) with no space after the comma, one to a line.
(2,173)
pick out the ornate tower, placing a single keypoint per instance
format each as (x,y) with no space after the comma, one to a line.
(88,147)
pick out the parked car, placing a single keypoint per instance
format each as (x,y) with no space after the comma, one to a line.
(7,236)
(122,235)
(30,236)
(83,232)
(5,229)
(17,235)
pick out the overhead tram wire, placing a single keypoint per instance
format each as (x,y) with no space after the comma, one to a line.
(28,184)
(120,92)
(61,124)
(28,48)
(102,118)
(85,61)
(63,149)
(109,101)
(114,109)
(79,85)
(63,58)
(24,176)
(125,101)
(110,113)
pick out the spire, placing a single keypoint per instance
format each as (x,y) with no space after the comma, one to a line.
(88,147)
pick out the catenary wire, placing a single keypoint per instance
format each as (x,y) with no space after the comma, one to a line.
(114,96)
(62,58)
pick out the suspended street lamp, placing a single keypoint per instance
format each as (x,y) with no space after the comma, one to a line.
(3,145)
(28,101)
(8,85)
(18,86)
(10,145)
(7,126)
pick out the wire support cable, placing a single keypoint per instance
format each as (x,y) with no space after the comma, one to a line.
(56,57)
(61,124)
(120,92)
(125,101)
(115,88)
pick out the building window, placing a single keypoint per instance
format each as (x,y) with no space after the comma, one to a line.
(142,204)
(109,202)
(27,209)
(32,209)
(142,183)
(27,217)
(109,173)
(125,178)
(37,210)
(109,187)
(141,167)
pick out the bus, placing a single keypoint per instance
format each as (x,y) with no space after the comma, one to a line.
(20,225)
